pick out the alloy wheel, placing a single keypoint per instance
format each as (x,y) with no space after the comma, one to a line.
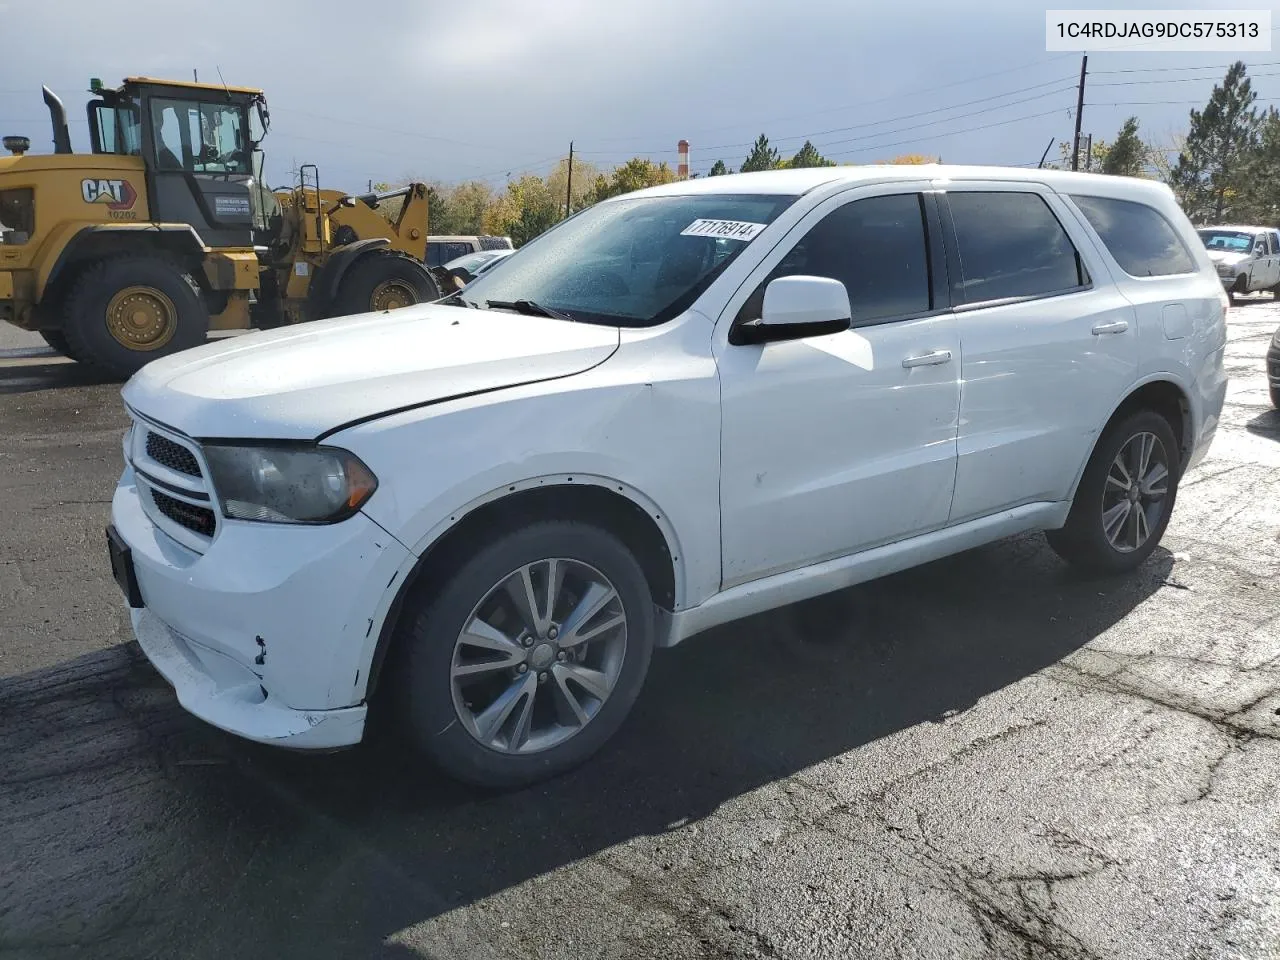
(538,656)
(1135,492)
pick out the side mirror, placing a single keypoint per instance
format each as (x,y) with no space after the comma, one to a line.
(796,308)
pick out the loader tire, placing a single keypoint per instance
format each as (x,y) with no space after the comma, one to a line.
(58,340)
(384,281)
(124,312)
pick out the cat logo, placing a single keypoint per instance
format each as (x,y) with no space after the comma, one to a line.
(116,194)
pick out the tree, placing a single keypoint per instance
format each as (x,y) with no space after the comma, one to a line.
(1092,154)
(913,158)
(808,156)
(718,169)
(584,177)
(761,157)
(1127,154)
(1259,186)
(1209,171)
(636,174)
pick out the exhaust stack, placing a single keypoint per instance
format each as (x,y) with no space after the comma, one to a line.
(58,114)
(682,170)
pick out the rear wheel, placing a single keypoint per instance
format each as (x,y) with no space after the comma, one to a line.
(1275,397)
(529,658)
(124,312)
(382,281)
(1125,497)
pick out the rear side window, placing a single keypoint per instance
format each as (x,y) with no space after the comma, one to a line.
(1143,242)
(1011,245)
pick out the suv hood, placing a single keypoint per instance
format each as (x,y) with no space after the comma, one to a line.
(299,382)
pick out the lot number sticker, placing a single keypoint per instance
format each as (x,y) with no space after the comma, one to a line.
(728,229)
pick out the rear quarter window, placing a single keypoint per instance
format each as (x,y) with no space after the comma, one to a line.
(1142,241)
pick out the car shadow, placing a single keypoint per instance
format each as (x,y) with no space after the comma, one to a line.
(212,847)
(1266,424)
(55,374)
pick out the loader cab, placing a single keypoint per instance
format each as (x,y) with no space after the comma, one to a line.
(197,142)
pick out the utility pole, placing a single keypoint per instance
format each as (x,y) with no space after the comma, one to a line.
(195,74)
(1088,153)
(1075,144)
(568,193)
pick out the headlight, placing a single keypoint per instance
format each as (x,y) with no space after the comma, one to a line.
(289,484)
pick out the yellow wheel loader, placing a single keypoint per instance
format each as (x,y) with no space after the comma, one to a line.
(165,231)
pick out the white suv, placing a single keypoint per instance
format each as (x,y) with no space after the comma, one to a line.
(677,408)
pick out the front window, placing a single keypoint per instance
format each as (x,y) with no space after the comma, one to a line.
(200,137)
(630,262)
(1230,241)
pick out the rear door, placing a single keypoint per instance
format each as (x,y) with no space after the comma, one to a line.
(1049,344)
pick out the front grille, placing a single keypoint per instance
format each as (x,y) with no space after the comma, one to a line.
(172,455)
(197,519)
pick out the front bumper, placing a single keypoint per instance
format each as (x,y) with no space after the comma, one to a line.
(268,632)
(230,696)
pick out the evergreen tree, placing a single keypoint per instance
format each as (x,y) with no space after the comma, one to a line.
(761,157)
(1218,145)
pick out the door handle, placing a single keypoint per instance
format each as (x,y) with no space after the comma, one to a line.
(1115,326)
(930,359)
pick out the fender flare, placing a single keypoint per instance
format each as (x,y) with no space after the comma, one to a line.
(324,285)
(388,615)
(181,236)
(1155,376)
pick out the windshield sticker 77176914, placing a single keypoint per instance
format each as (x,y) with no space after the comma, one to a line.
(727,229)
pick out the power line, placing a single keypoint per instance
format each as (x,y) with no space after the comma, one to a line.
(874,123)
(953,133)
(1215,77)
(931,90)
(1273,63)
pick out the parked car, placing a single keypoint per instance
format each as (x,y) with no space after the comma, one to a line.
(440,250)
(465,269)
(493,509)
(1247,258)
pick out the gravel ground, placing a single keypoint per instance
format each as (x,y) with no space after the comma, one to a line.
(984,757)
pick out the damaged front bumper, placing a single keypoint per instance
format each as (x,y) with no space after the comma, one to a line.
(230,696)
(269,632)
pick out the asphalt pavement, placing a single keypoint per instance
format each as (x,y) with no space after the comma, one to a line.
(985,757)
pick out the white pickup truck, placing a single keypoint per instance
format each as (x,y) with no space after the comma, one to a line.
(1247,258)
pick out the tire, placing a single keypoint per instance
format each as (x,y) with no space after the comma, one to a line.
(57,340)
(173,314)
(1238,288)
(1083,541)
(377,279)
(1275,397)
(429,645)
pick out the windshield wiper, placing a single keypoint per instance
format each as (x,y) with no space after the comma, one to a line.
(456,299)
(529,307)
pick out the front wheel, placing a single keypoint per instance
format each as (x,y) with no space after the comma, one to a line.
(529,658)
(1275,397)
(384,281)
(1125,497)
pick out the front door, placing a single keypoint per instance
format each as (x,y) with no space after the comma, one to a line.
(199,168)
(1048,353)
(839,443)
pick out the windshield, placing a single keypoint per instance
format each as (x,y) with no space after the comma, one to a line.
(200,137)
(630,262)
(1231,240)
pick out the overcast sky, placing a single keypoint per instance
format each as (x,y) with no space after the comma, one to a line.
(451,91)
